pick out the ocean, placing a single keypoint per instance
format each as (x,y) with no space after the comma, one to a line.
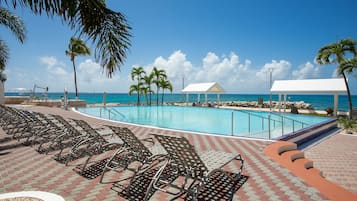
(319,102)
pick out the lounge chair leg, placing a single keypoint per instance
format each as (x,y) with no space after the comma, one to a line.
(86,163)
(102,175)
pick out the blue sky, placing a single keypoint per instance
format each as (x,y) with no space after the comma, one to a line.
(233,42)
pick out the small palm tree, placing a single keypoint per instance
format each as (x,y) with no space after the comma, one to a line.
(148,80)
(158,75)
(137,74)
(147,90)
(165,84)
(76,47)
(138,89)
(336,53)
(16,26)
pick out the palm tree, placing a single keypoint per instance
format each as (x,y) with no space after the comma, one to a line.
(107,29)
(16,26)
(147,90)
(336,53)
(138,89)
(137,73)
(158,74)
(165,84)
(76,47)
(148,79)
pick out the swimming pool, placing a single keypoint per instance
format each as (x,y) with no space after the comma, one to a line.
(245,123)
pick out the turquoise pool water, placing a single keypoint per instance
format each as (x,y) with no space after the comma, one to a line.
(208,120)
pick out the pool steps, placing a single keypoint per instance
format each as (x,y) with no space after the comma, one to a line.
(288,156)
(306,134)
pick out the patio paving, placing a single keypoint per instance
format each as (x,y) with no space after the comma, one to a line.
(22,168)
(336,157)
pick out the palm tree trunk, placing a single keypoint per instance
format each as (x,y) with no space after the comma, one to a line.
(162,97)
(349,97)
(157,95)
(147,100)
(75,78)
(138,101)
(2,91)
(150,95)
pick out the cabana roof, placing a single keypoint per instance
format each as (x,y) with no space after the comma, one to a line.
(321,86)
(212,87)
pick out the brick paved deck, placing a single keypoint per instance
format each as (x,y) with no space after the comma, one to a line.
(22,168)
(336,157)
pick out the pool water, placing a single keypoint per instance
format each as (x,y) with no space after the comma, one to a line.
(208,120)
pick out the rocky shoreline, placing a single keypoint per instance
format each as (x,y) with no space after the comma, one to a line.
(275,104)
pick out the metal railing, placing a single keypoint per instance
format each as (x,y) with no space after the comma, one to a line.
(271,123)
(111,112)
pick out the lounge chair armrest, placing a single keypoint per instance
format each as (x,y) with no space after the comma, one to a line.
(80,143)
(148,139)
(239,158)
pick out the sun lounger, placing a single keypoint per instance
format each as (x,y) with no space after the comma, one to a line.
(196,167)
(146,160)
(133,149)
(92,143)
(66,136)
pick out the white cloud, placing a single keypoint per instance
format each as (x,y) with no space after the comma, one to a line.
(222,70)
(226,70)
(90,78)
(54,67)
(234,74)
(306,71)
(280,70)
(49,61)
(176,67)
(89,71)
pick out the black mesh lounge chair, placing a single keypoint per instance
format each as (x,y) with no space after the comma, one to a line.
(197,167)
(93,143)
(219,185)
(132,150)
(149,159)
(21,122)
(45,132)
(66,136)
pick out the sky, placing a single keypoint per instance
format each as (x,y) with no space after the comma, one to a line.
(232,42)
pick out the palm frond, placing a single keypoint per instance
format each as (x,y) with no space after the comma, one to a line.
(14,23)
(348,65)
(4,55)
(108,30)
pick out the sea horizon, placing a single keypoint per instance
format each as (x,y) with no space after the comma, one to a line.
(318,101)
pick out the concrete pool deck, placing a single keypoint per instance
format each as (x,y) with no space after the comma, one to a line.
(23,169)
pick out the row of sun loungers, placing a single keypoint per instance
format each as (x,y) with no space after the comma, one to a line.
(160,163)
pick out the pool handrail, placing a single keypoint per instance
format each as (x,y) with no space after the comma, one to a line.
(116,112)
(274,120)
(279,115)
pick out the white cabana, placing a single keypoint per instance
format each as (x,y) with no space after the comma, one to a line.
(203,88)
(310,86)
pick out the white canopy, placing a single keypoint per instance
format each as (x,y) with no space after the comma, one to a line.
(311,86)
(203,88)
(212,87)
(325,86)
